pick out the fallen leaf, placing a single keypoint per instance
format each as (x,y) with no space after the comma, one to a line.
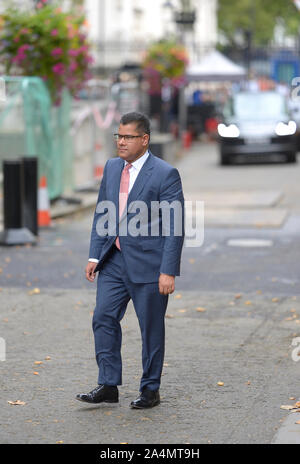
(36,373)
(237,296)
(47,358)
(298,422)
(275,300)
(200,310)
(290,318)
(17,403)
(287,407)
(248,302)
(38,362)
(35,291)
(169,316)
(221,384)
(178,296)
(59,442)
(182,310)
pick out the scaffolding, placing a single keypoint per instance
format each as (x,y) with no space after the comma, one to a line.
(30,125)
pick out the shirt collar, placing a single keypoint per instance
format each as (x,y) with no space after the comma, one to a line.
(138,164)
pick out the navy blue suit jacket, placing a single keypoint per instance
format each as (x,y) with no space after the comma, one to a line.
(146,256)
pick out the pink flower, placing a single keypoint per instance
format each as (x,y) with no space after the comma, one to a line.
(89,59)
(54,32)
(74,52)
(57,51)
(24,47)
(83,48)
(19,57)
(58,68)
(73,66)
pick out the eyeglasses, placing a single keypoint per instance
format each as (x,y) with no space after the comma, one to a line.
(127,138)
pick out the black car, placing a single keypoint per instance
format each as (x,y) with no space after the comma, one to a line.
(257,124)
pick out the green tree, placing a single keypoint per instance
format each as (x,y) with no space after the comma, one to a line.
(239,18)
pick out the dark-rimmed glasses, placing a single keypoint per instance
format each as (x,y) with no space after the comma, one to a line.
(127,138)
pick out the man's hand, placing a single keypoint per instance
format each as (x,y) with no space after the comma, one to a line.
(90,271)
(166,284)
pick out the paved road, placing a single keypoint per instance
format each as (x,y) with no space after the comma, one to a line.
(232,319)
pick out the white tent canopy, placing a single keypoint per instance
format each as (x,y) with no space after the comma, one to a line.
(215,67)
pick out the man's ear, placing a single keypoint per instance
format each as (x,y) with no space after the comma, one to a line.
(146,140)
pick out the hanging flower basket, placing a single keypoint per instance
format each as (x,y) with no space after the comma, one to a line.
(48,43)
(166,59)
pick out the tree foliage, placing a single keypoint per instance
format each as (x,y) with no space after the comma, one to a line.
(239,17)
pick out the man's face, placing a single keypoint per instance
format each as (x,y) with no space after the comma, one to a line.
(132,147)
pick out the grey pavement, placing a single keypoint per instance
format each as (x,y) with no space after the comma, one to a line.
(229,327)
(245,346)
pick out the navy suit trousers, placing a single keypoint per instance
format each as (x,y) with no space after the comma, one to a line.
(114,291)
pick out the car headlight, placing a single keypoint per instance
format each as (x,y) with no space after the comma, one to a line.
(286,129)
(231,131)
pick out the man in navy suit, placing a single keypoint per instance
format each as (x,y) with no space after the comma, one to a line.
(139,264)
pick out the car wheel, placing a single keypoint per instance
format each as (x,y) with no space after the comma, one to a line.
(292,158)
(224,160)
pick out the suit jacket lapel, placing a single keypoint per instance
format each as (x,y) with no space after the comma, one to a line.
(141,179)
(116,185)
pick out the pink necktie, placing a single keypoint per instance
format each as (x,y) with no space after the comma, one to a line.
(123,194)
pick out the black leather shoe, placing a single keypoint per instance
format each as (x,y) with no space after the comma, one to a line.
(147,399)
(101,394)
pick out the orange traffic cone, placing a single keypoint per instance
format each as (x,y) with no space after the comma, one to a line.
(44,218)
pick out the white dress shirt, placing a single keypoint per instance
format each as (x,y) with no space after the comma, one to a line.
(133,173)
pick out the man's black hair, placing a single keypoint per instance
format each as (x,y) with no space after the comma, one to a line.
(141,121)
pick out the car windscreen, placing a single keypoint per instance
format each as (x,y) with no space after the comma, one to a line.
(258,106)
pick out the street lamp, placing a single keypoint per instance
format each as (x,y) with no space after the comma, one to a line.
(186,17)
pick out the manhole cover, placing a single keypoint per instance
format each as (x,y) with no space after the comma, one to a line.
(249,242)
